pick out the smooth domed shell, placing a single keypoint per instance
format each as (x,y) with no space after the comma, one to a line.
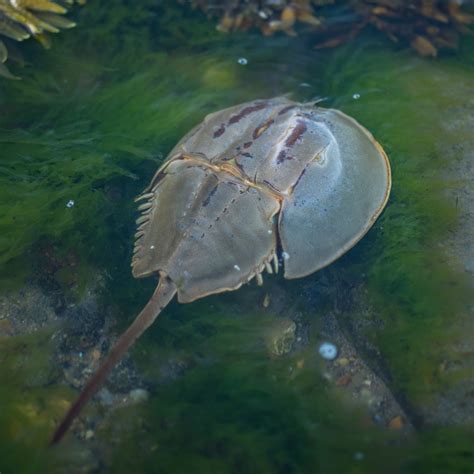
(337,198)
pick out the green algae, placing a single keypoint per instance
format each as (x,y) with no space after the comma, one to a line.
(30,403)
(92,124)
(26,359)
(233,407)
(441,450)
(21,441)
(407,103)
(256,426)
(84,124)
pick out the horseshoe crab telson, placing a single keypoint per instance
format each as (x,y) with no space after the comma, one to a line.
(247,181)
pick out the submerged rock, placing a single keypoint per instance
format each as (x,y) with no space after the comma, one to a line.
(138,395)
(280,337)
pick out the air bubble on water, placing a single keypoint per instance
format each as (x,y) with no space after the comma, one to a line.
(269,231)
(237,267)
(358,456)
(70,203)
(152,247)
(285,256)
(328,351)
(356,96)
(242,61)
(305,84)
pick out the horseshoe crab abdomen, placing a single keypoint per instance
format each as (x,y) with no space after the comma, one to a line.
(206,230)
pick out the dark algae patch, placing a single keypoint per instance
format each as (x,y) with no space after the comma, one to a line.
(90,122)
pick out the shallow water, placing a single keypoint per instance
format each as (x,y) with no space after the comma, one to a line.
(90,122)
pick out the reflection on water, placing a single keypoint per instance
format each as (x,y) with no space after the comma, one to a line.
(83,133)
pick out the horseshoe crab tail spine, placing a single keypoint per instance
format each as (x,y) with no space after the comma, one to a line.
(161,297)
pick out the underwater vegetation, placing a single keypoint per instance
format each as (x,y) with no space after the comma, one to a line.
(427,25)
(414,289)
(238,409)
(28,404)
(22,19)
(90,122)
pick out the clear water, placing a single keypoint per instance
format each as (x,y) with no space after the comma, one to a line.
(83,133)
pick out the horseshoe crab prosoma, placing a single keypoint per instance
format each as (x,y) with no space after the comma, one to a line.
(250,182)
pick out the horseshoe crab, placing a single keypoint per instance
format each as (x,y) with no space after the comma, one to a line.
(251,183)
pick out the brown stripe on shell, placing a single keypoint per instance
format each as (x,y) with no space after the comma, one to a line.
(299,177)
(284,110)
(219,131)
(282,157)
(261,128)
(296,133)
(208,199)
(247,111)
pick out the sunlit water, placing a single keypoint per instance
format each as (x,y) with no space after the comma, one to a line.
(84,132)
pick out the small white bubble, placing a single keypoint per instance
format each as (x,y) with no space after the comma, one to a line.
(237,267)
(152,247)
(285,256)
(242,61)
(70,203)
(328,351)
(356,96)
(358,456)
(305,84)
(269,231)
